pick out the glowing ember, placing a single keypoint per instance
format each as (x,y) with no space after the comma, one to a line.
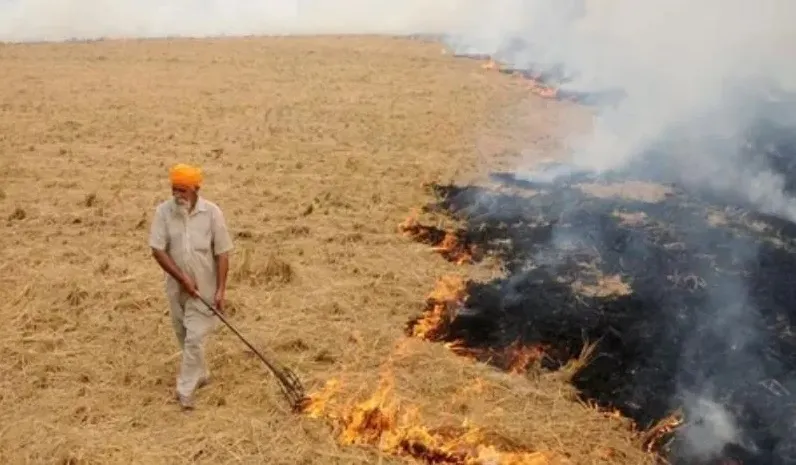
(453,246)
(382,422)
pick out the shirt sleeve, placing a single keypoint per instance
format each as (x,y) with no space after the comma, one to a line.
(158,233)
(222,242)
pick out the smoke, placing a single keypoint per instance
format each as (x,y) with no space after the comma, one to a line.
(43,20)
(715,428)
(707,98)
(693,74)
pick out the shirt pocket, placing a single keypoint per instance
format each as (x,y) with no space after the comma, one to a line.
(201,235)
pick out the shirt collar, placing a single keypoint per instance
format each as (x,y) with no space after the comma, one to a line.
(201,205)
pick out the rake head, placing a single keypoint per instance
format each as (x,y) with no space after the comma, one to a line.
(289,383)
(291,388)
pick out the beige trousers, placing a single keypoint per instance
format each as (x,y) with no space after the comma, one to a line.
(192,323)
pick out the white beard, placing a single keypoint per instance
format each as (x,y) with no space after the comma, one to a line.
(183,207)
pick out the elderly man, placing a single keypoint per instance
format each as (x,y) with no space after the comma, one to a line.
(191,243)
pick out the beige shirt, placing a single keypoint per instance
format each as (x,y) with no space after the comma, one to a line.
(193,243)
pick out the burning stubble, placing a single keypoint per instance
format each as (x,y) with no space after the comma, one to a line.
(396,428)
(453,245)
(706,104)
(699,326)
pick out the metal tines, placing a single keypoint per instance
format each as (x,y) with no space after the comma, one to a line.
(289,383)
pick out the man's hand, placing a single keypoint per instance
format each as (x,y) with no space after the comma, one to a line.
(189,285)
(218,300)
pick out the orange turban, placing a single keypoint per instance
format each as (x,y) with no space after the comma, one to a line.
(185,175)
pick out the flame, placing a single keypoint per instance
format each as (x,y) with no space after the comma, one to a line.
(448,295)
(366,422)
(542,90)
(515,359)
(656,435)
(491,64)
(535,83)
(441,304)
(653,439)
(521,357)
(449,289)
(315,404)
(383,422)
(454,250)
(448,244)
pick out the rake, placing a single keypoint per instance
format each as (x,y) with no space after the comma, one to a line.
(289,383)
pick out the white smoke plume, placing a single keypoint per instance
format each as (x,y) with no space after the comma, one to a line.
(44,20)
(688,70)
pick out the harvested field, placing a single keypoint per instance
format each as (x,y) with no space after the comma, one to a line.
(316,149)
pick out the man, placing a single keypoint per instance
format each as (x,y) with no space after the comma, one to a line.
(191,243)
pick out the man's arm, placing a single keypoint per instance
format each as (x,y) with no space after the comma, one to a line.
(222,245)
(222,268)
(167,264)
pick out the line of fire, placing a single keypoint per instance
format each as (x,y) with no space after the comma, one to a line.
(674,313)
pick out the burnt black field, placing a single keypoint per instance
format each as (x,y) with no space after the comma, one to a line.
(709,316)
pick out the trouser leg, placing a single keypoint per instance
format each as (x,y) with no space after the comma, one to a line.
(197,325)
(177,321)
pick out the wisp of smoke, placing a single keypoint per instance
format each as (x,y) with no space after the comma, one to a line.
(714,429)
